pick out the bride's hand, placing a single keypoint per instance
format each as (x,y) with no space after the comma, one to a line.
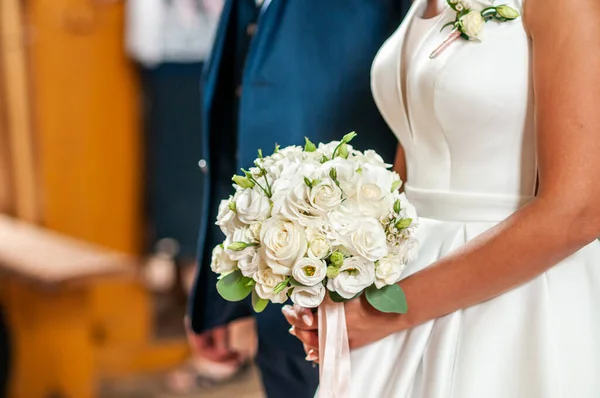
(365,325)
(305,328)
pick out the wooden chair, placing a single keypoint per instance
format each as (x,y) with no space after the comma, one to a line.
(49,281)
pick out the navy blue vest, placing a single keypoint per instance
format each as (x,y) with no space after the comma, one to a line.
(302,70)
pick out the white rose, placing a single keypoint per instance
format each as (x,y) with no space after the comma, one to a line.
(346,174)
(370,157)
(243,235)
(295,205)
(292,165)
(373,197)
(325,196)
(220,261)
(369,239)
(327,149)
(283,243)
(318,244)
(249,264)
(356,274)
(266,281)
(388,271)
(252,205)
(309,271)
(308,297)
(472,24)
(227,219)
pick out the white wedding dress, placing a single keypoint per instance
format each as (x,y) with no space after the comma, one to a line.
(465,120)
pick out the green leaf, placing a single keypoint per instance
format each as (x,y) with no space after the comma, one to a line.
(389,298)
(307,182)
(294,282)
(277,146)
(309,146)
(260,155)
(396,185)
(324,159)
(259,304)
(234,286)
(336,298)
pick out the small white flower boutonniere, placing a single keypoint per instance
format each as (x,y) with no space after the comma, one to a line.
(471,16)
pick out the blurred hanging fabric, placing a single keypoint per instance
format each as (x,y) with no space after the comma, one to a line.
(161,31)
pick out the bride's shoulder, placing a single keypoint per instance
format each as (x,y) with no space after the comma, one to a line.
(553,16)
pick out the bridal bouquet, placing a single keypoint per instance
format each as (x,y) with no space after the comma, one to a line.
(309,221)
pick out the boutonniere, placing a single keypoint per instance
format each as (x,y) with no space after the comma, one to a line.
(471,17)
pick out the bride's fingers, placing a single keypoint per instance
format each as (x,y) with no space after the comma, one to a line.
(310,338)
(311,355)
(299,317)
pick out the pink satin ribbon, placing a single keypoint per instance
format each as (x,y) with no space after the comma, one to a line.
(334,352)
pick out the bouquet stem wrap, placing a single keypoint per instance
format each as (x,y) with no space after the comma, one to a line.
(334,351)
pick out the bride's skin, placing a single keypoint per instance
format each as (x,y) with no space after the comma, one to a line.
(563,218)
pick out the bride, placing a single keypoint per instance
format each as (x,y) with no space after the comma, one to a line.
(500,148)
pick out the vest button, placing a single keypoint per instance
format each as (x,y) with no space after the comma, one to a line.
(251,29)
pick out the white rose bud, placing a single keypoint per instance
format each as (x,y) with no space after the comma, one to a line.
(356,274)
(388,271)
(309,271)
(252,205)
(309,296)
(325,196)
(220,261)
(369,239)
(507,12)
(472,24)
(266,281)
(283,243)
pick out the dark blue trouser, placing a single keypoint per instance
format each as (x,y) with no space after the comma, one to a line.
(285,375)
(172,125)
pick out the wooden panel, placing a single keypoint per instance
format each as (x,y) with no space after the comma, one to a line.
(51,339)
(86,121)
(6,190)
(16,137)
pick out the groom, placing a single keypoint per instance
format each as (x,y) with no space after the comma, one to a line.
(281,70)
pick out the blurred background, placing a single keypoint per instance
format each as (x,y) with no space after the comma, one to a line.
(99,182)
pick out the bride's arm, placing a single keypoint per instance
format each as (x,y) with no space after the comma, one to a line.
(565,216)
(400,163)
